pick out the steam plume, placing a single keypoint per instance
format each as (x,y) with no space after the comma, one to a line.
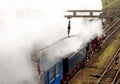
(28,23)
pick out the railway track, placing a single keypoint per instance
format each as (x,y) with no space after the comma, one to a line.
(111,73)
(112,25)
(118,82)
(116,79)
(109,32)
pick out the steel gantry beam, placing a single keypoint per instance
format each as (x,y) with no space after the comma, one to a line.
(90,13)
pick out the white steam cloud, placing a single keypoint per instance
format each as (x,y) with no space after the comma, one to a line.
(28,23)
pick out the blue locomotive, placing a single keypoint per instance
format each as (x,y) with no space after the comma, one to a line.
(65,68)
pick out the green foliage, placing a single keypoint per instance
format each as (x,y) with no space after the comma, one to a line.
(105,56)
(108,53)
(110,3)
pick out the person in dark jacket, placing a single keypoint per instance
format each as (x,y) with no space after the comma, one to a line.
(69,27)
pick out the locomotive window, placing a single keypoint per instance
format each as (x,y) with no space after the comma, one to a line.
(57,69)
(43,79)
(51,74)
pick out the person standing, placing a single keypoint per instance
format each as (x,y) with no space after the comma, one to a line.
(69,28)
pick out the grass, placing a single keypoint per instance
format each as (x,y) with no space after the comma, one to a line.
(110,3)
(107,54)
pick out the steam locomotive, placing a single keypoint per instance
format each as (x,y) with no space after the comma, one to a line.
(66,68)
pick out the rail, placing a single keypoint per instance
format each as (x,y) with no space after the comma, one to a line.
(118,81)
(114,23)
(108,67)
(117,76)
(115,27)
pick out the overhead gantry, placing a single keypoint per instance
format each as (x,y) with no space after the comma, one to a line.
(90,13)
